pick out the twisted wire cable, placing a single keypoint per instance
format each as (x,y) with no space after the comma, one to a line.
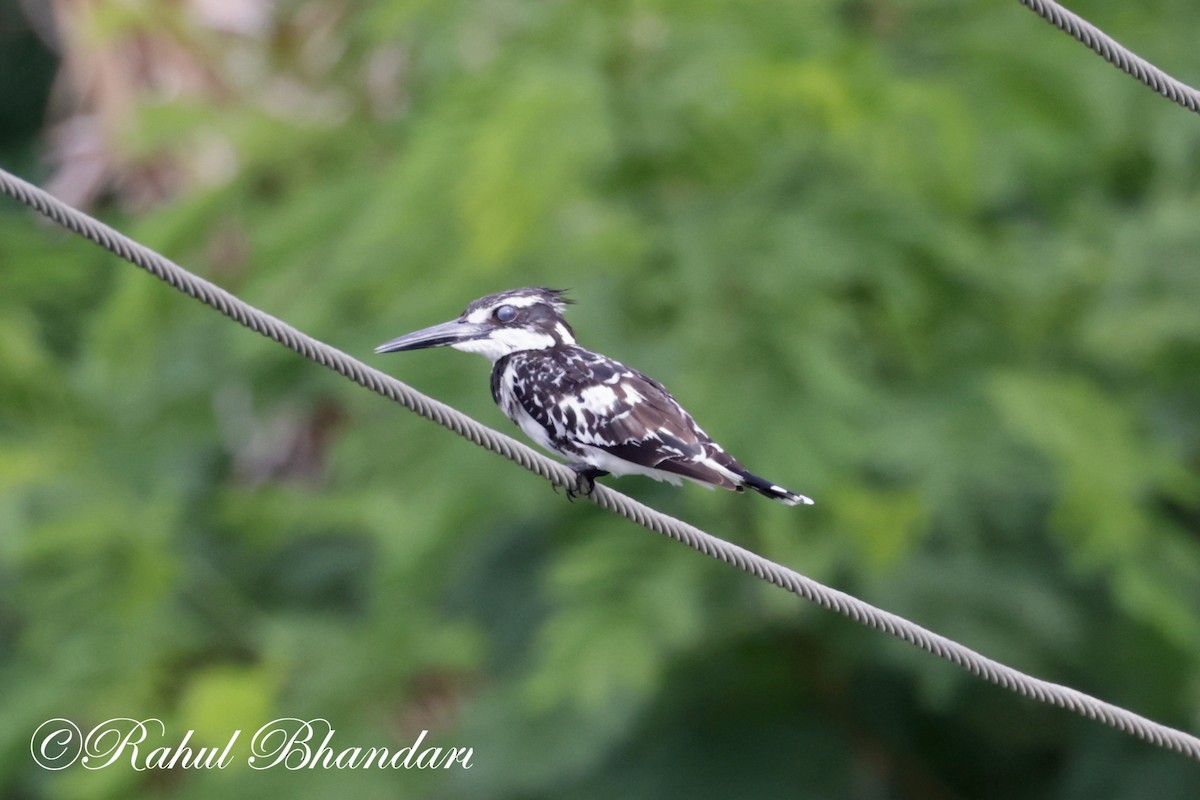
(563,476)
(1115,53)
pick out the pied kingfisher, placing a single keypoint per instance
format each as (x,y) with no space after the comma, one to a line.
(604,417)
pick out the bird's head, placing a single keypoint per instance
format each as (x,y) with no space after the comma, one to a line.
(497,325)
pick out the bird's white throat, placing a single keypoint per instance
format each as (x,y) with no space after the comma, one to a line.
(504,341)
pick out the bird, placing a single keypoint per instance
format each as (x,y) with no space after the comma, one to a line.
(603,417)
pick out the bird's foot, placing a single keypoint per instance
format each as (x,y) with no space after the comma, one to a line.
(585,480)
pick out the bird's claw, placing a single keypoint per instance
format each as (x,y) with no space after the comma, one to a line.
(583,487)
(585,481)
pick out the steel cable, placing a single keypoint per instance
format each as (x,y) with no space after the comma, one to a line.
(564,477)
(1115,53)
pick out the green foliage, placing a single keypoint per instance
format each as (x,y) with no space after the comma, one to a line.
(935,267)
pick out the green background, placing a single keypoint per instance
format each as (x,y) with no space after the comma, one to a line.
(933,264)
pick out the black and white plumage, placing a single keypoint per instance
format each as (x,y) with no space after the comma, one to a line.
(601,415)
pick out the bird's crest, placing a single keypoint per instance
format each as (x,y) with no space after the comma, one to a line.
(555,298)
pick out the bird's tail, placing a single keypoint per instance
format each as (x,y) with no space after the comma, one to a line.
(768,489)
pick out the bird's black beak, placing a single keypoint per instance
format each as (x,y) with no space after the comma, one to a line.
(448,333)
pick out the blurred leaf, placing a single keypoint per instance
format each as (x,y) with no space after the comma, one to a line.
(224,699)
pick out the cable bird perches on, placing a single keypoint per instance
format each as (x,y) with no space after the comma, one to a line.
(565,477)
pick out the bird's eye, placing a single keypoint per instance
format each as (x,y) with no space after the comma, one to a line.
(505,314)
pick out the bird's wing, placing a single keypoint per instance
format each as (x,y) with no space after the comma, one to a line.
(658,433)
(604,404)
